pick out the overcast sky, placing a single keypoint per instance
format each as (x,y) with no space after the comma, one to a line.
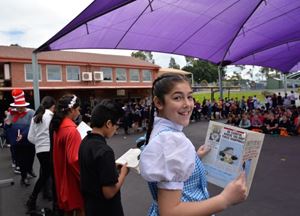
(30,23)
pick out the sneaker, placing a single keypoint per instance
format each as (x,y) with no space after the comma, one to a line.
(13,165)
(17,170)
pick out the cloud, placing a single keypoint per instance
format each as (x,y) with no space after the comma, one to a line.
(37,20)
(255,70)
(13,33)
(31,23)
(163,59)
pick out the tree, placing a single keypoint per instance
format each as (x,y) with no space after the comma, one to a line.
(269,73)
(143,55)
(265,72)
(236,76)
(16,45)
(189,60)
(241,67)
(173,64)
(202,70)
(250,73)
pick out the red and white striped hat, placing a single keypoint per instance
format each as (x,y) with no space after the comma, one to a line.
(19,98)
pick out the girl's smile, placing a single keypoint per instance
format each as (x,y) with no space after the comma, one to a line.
(177,105)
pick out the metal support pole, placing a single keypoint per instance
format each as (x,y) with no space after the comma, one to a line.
(220,81)
(35,71)
(228,93)
(285,83)
(193,84)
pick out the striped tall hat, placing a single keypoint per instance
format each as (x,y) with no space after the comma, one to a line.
(19,98)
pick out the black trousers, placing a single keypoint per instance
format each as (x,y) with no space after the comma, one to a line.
(25,157)
(45,173)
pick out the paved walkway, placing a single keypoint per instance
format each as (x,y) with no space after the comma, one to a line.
(275,189)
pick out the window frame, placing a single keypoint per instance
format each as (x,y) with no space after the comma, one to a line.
(116,72)
(131,70)
(47,73)
(111,73)
(150,72)
(79,74)
(25,73)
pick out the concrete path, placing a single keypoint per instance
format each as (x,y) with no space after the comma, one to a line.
(275,189)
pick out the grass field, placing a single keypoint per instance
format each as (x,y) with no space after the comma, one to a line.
(199,96)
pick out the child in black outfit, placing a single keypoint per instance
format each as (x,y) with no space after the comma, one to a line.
(100,178)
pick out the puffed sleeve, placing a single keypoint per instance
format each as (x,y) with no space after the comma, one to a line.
(168,159)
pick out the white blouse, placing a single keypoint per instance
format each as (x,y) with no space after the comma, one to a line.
(169,157)
(39,133)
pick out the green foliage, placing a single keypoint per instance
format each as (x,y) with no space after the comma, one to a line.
(143,55)
(189,60)
(173,64)
(269,72)
(236,76)
(201,70)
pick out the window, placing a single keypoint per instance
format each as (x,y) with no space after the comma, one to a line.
(147,76)
(134,75)
(121,74)
(73,73)
(54,73)
(107,73)
(29,72)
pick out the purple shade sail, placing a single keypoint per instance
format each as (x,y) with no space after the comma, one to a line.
(256,32)
(296,68)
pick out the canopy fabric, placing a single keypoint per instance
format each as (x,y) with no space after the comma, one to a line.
(257,32)
(296,68)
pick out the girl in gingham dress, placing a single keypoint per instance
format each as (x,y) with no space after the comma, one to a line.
(169,161)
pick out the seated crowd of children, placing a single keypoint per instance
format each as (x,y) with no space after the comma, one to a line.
(273,117)
(281,121)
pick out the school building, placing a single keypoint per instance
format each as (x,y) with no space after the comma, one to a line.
(90,76)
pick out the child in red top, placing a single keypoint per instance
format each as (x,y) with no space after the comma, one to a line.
(66,141)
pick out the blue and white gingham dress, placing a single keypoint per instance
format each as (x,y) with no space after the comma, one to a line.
(195,188)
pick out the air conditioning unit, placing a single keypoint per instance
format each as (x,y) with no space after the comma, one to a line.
(98,75)
(86,76)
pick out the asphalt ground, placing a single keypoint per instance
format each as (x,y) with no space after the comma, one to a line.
(275,189)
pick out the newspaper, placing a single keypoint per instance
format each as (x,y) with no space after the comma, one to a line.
(233,149)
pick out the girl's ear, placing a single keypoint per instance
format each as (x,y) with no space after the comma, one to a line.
(157,103)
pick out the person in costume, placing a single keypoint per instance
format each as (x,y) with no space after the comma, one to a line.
(169,161)
(23,150)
